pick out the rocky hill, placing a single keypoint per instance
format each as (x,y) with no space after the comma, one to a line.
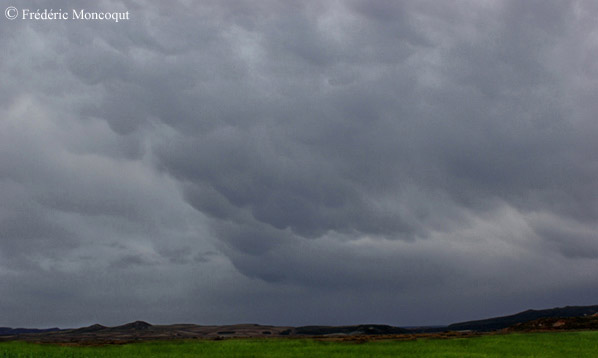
(564,318)
(496,323)
(557,324)
(140,330)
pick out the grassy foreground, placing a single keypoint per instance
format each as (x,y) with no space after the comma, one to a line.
(564,344)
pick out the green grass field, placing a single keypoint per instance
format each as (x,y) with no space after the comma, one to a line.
(565,344)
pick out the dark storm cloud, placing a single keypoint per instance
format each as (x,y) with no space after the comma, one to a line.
(492,131)
(352,159)
(400,148)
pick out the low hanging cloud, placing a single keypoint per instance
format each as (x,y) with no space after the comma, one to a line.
(222,162)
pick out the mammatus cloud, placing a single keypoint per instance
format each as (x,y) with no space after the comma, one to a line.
(225,161)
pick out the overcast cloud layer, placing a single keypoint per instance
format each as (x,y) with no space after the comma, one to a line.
(298,162)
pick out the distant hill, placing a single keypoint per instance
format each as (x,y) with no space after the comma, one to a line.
(557,324)
(140,330)
(496,323)
(563,318)
(6,331)
(133,326)
(362,329)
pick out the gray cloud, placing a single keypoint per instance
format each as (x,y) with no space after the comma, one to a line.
(354,160)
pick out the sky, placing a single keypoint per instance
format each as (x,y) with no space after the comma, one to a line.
(297,162)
